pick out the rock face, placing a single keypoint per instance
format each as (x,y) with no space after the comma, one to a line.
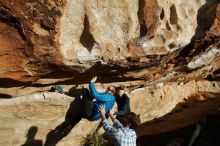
(28,38)
(42,112)
(46,113)
(91,29)
(174,25)
(165,52)
(40,37)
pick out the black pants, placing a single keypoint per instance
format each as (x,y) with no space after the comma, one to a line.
(88,105)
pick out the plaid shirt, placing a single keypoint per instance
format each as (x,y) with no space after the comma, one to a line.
(121,135)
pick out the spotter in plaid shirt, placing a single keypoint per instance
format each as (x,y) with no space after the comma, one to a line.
(122,136)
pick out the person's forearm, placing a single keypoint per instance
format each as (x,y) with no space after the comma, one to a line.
(103,117)
(97,95)
(112,118)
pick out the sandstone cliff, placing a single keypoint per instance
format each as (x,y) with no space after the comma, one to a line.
(42,37)
(165,52)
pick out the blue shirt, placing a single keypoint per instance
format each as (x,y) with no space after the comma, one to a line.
(122,136)
(101,99)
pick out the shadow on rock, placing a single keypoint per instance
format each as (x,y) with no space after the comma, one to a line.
(31,141)
(73,116)
(205,18)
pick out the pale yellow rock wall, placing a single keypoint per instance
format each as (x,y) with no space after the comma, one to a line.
(114,23)
(44,111)
(47,110)
(177,25)
(111,23)
(154,102)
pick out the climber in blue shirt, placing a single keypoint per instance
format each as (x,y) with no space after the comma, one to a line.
(98,99)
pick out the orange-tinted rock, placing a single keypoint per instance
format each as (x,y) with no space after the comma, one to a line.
(68,38)
(151,17)
(160,49)
(215,28)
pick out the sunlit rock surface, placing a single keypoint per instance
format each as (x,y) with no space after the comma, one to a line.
(42,37)
(44,111)
(94,29)
(47,111)
(176,25)
(165,52)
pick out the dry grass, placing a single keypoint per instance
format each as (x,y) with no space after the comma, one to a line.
(94,139)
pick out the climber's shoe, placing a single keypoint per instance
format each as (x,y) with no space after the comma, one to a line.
(59,89)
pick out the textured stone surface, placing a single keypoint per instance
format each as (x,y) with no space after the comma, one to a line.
(160,50)
(93,29)
(177,24)
(44,111)
(48,110)
(28,29)
(40,37)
